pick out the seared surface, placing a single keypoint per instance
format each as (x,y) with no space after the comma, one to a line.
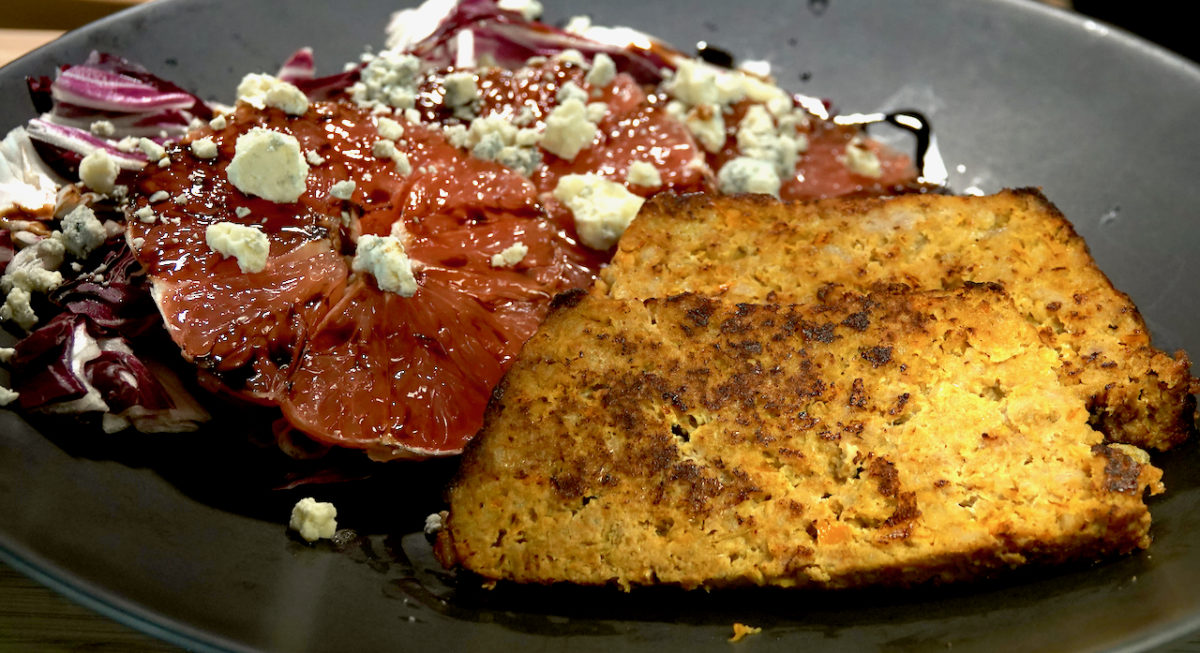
(756,249)
(894,438)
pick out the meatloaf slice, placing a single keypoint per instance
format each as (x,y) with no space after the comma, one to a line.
(753,248)
(892,438)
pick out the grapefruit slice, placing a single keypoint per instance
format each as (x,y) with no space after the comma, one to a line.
(348,363)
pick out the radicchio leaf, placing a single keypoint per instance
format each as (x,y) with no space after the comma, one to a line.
(509,39)
(121,303)
(300,70)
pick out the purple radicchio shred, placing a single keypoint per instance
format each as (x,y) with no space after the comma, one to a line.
(62,147)
(510,40)
(64,162)
(124,381)
(41,365)
(117,310)
(113,64)
(39,93)
(300,70)
(324,88)
(300,65)
(122,303)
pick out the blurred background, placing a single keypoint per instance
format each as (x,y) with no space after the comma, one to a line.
(28,24)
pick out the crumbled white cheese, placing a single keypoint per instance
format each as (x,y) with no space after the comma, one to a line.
(524,116)
(756,67)
(403,167)
(568,131)
(241,211)
(385,259)
(389,129)
(313,158)
(694,83)
(570,55)
(510,256)
(603,71)
(33,269)
(261,91)
(218,123)
(82,232)
(596,111)
(164,162)
(6,354)
(412,115)
(268,164)
(570,91)
(602,208)
(746,175)
(313,519)
(698,83)
(529,9)
(383,149)
(204,148)
(493,138)
(460,89)
(146,214)
(246,244)
(434,523)
(98,171)
(158,196)
(390,78)
(862,161)
(102,128)
(578,24)
(17,307)
(708,126)
(759,138)
(8,395)
(643,173)
(342,190)
(128,144)
(152,150)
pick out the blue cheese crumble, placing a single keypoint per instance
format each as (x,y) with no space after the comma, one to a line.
(98,171)
(384,258)
(568,130)
(261,91)
(603,71)
(342,190)
(602,209)
(33,269)
(862,161)
(389,78)
(204,148)
(748,175)
(510,256)
(82,232)
(313,519)
(643,173)
(247,245)
(268,164)
(495,138)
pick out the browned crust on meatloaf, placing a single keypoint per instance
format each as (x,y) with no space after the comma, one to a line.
(893,438)
(753,248)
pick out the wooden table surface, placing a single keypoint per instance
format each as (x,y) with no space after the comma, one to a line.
(32,616)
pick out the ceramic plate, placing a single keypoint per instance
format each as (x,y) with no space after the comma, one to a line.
(177,536)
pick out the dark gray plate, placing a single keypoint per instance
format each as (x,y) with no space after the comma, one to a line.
(176,536)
